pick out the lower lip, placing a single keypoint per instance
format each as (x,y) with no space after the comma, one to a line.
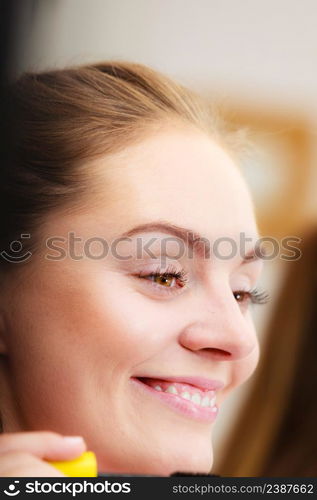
(180,405)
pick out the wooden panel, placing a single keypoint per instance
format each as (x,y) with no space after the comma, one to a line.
(276,167)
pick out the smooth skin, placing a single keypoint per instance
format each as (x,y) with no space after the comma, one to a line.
(75,330)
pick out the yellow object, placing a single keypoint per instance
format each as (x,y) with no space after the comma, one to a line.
(83,466)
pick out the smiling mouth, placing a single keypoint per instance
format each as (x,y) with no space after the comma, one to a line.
(201,397)
(184,397)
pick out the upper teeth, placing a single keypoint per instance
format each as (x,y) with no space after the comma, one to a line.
(172,389)
(196,398)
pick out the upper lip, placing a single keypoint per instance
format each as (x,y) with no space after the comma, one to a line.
(199,382)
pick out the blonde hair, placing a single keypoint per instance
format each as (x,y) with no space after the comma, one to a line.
(58,120)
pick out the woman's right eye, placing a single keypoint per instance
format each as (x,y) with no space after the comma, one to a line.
(166,280)
(170,280)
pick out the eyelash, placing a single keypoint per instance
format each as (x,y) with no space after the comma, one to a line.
(171,271)
(255,295)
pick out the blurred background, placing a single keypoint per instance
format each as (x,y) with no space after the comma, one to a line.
(257,59)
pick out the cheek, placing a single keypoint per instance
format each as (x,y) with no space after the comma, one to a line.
(96,324)
(243,369)
(132,328)
(249,365)
(80,337)
(246,366)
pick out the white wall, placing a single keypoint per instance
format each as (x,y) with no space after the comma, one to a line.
(258,48)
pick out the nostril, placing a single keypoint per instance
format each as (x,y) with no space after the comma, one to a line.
(219,352)
(214,353)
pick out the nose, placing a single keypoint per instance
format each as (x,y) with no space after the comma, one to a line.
(220,329)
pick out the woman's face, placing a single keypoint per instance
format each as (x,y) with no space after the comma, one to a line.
(83,328)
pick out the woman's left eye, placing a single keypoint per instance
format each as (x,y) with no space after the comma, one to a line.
(255,296)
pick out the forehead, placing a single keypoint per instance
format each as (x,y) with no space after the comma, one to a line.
(177,175)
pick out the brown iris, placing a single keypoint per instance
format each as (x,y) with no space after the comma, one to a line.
(166,281)
(241,296)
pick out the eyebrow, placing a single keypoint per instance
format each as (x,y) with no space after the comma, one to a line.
(200,244)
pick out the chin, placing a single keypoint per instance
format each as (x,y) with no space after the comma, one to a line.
(197,465)
(163,466)
(189,461)
(161,455)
